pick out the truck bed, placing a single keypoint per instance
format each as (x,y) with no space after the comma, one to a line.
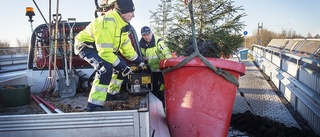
(143,118)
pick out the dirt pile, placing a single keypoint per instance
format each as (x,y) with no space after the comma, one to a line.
(258,126)
(77,103)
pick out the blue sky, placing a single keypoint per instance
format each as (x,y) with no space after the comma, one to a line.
(301,16)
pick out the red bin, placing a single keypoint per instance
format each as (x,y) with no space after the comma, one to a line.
(198,101)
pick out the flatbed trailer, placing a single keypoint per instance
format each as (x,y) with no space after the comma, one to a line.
(147,121)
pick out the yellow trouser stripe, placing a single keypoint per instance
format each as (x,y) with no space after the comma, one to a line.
(98,93)
(115,84)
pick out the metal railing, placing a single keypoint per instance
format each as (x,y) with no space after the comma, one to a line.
(13,59)
(13,55)
(14,51)
(294,68)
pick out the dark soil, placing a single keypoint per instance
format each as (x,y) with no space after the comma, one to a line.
(133,103)
(74,104)
(257,126)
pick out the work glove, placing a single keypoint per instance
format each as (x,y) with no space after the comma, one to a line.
(141,65)
(126,71)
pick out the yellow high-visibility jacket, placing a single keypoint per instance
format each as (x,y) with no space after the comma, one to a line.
(154,51)
(110,35)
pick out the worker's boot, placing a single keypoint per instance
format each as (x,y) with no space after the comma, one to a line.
(117,97)
(92,107)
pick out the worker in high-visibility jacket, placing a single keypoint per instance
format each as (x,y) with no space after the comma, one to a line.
(99,44)
(153,50)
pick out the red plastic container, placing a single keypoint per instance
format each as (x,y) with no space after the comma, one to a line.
(199,102)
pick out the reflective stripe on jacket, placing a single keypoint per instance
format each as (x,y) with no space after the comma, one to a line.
(110,36)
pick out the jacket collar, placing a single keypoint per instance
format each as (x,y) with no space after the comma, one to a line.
(119,21)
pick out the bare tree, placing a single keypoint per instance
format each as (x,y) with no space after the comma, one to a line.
(22,44)
(309,35)
(269,35)
(161,18)
(4,44)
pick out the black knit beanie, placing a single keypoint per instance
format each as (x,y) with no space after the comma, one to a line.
(125,6)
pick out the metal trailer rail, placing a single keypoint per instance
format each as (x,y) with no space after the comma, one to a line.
(146,122)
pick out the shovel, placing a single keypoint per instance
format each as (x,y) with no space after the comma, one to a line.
(67,85)
(71,43)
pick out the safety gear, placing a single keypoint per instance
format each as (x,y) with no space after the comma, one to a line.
(141,65)
(161,87)
(92,107)
(117,97)
(154,51)
(145,30)
(121,66)
(125,6)
(115,84)
(126,71)
(98,92)
(106,43)
(109,37)
(102,77)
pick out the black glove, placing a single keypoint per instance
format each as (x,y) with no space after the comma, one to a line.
(126,71)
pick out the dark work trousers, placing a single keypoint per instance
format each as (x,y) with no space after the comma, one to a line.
(157,81)
(103,68)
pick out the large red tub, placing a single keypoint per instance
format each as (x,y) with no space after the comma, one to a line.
(199,102)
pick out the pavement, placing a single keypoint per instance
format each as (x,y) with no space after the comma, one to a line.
(262,97)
